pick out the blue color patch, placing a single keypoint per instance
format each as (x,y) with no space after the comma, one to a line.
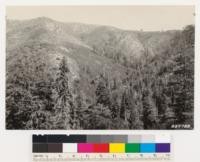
(147,147)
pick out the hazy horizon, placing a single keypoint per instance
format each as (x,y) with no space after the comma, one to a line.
(147,18)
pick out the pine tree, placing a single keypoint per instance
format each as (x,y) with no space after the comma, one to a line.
(63,98)
(181,84)
(78,105)
(125,105)
(102,92)
(135,116)
(182,80)
(19,105)
(149,110)
(115,104)
(96,117)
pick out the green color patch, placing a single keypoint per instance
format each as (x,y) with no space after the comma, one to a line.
(132,147)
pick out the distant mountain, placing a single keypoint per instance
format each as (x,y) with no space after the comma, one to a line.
(41,29)
(103,39)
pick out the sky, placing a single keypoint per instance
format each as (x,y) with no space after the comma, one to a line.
(147,18)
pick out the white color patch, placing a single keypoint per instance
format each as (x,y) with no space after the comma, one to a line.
(163,138)
(70,147)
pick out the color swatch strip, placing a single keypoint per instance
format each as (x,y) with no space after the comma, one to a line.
(55,138)
(99,144)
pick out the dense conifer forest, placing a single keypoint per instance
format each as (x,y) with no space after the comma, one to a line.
(54,83)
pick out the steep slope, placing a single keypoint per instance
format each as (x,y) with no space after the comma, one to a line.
(109,41)
(50,41)
(119,44)
(90,49)
(156,42)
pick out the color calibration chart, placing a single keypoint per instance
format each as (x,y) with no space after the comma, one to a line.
(54,148)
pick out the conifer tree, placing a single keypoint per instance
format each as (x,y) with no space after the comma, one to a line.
(63,98)
(149,110)
(135,116)
(115,104)
(102,92)
(124,105)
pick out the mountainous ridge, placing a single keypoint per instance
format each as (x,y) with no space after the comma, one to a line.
(86,45)
(89,36)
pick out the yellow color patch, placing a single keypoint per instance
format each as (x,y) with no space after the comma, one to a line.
(116,147)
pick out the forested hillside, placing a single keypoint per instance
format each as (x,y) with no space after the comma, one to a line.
(78,76)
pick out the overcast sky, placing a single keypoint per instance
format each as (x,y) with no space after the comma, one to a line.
(149,18)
